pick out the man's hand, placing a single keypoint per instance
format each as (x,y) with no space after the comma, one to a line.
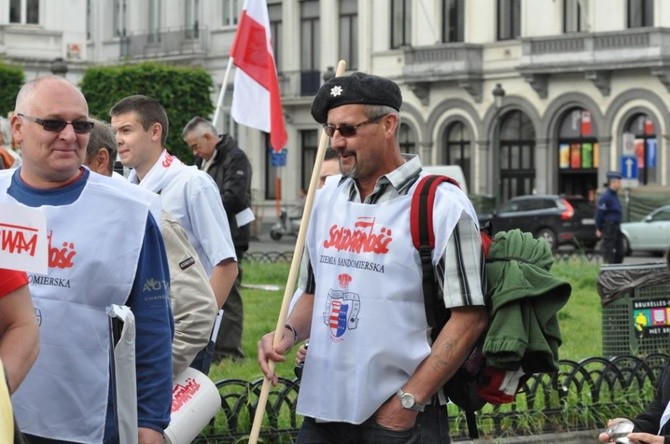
(392,416)
(149,436)
(267,352)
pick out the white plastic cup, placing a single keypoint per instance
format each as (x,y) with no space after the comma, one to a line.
(195,401)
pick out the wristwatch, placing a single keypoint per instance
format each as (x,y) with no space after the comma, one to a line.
(408,402)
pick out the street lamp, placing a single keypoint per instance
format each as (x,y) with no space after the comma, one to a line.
(59,67)
(498,96)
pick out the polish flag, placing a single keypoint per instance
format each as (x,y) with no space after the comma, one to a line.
(256,98)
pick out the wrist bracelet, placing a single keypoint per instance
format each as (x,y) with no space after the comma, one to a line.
(293,330)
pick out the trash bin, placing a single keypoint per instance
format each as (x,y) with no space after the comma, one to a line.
(635,308)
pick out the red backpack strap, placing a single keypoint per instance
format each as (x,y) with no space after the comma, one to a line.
(423,238)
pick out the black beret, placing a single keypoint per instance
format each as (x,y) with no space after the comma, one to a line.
(357,88)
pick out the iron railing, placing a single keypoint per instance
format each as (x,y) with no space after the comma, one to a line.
(580,396)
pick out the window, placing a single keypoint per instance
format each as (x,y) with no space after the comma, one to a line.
(310,144)
(401,23)
(348,33)
(640,141)
(24,11)
(191,23)
(457,147)
(453,12)
(578,154)
(640,13)
(517,155)
(230,12)
(119,18)
(573,17)
(407,139)
(154,23)
(274,12)
(309,47)
(509,19)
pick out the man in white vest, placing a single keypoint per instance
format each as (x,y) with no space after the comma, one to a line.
(193,302)
(104,248)
(187,194)
(371,370)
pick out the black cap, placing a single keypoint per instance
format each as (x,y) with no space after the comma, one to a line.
(357,88)
(613,175)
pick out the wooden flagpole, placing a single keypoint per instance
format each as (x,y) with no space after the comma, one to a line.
(295,268)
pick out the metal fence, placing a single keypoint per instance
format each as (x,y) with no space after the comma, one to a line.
(580,396)
(560,256)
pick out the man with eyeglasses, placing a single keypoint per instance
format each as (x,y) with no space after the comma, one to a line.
(371,374)
(67,395)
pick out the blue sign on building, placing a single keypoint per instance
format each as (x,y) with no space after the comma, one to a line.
(629,167)
(278,159)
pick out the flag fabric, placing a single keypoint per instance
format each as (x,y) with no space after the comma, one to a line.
(256,97)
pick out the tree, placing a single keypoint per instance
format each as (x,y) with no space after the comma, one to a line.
(11,79)
(184,92)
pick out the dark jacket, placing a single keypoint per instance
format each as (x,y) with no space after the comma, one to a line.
(649,420)
(609,208)
(231,171)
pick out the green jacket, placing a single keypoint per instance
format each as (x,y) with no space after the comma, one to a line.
(524,301)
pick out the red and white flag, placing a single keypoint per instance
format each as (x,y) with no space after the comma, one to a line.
(256,97)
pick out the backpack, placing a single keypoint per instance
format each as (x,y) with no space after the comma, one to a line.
(474,384)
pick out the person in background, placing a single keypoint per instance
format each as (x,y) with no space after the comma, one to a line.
(608,220)
(363,304)
(193,302)
(66,397)
(8,157)
(189,196)
(229,166)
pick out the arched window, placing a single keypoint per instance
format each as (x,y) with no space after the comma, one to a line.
(517,155)
(407,139)
(457,147)
(578,154)
(640,142)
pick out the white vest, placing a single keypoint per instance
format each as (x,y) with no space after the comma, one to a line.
(369,331)
(94,246)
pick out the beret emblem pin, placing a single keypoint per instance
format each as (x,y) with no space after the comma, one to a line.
(336,91)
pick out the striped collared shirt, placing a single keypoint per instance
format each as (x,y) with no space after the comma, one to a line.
(460,269)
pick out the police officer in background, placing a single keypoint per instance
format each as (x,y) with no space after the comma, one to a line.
(608,220)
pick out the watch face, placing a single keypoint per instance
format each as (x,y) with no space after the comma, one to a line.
(407,401)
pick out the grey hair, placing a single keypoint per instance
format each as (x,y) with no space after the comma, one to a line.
(102,136)
(372,111)
(198,126)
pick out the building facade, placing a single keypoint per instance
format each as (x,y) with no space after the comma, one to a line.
(581,86)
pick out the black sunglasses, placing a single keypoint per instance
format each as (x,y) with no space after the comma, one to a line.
(56,126)
(348,130)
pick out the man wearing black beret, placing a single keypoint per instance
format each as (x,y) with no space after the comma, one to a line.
(371,374)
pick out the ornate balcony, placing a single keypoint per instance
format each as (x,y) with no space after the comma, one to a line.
(458,62)
(596,55)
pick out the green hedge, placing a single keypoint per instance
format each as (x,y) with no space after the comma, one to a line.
(184,92)
(11,79)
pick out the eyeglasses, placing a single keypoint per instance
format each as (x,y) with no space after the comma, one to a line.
(56,126)
(348,130)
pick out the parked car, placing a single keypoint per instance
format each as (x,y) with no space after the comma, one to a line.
(652,233)
(559,220)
